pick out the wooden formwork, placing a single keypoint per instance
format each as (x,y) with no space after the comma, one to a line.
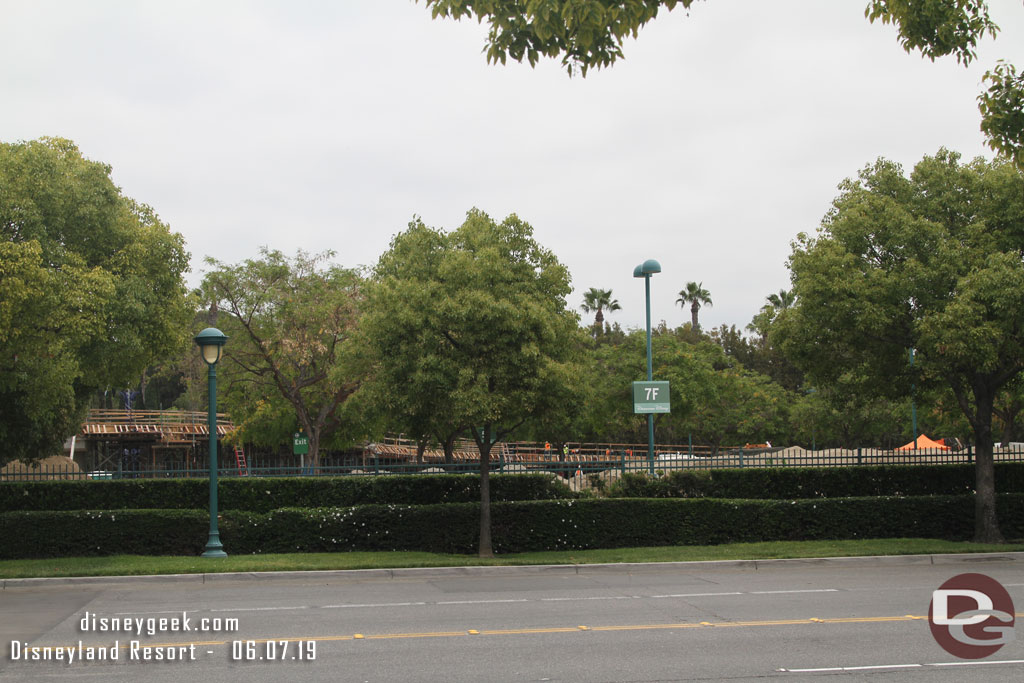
(163,432)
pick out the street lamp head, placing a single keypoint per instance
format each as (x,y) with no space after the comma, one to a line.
(647,268)
(211,341)
(650,267)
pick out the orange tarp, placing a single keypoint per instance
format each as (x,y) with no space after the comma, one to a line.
(922,443)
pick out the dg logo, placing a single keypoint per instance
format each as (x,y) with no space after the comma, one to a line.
(971,616)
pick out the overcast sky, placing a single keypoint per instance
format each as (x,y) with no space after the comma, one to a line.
(328,125)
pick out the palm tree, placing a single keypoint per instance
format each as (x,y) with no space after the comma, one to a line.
(783,300)
(597,301)
(696,296)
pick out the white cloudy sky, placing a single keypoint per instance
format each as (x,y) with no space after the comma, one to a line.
(329,124)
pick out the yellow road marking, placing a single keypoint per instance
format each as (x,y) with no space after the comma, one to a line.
(520,631)
(542,630)
(389,636)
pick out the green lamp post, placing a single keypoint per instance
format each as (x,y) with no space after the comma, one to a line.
(211,343)
(646,270)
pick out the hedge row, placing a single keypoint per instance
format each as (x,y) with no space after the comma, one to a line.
(517,526)
(265,494)
(255,494)
(819,482)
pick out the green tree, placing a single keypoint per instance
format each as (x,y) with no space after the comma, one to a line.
(597,301)
(473,325)
(1002,111)
(587,34)
(930,262)
(776,304)
(714,398)
(289,361)
(608,371)
(843,414)
(91,292)
(696,296)
(763,355)
(1007,408)
(413,368)
(725,404)
(782,300)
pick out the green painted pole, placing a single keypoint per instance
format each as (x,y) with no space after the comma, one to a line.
(647,292)
(650,374)
(214,548)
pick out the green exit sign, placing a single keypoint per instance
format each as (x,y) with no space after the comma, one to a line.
(300,443)
(650,397)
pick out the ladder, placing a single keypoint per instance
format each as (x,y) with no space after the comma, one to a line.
(243,466)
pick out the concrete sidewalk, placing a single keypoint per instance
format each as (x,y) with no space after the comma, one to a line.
(523,570)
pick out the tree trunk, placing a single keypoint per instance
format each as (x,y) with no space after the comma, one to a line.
(979,414)
(448,444)
(484,444)
(694,308)
(1008,416)
(1009,429)
(313,459)
(986,523)
(421,446)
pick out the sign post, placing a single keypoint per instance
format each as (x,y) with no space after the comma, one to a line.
(651,397)
(300,445)
(646,270)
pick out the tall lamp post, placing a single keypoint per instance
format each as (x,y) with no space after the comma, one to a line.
(211,343)
(646,270)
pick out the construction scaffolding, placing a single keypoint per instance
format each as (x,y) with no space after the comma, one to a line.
(119,440)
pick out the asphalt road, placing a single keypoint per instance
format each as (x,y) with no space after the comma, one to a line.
(861,619)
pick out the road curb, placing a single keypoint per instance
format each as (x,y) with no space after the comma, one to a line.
(520,570)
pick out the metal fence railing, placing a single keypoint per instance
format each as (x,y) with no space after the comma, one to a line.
(591,470)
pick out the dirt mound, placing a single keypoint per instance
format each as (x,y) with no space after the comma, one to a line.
(54,467)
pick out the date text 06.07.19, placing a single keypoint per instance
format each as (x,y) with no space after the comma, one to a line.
(273,650)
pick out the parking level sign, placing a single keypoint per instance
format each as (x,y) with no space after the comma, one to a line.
(650,397)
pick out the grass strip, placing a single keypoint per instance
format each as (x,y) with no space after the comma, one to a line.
(136,565)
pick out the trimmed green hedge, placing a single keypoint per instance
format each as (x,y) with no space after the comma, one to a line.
(817,482)
(80,533)
(259,494)
(517,526)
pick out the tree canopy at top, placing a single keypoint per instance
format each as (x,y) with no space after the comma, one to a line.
(91,291)
(589,34)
